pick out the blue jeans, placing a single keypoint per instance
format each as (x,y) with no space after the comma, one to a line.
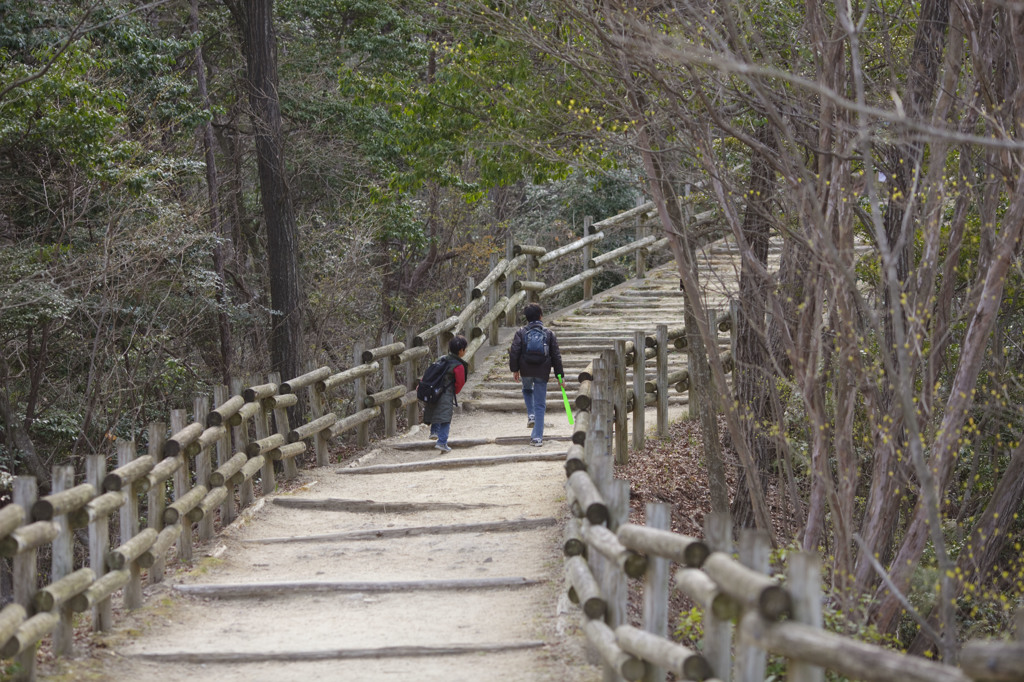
(441,431)
(535,393)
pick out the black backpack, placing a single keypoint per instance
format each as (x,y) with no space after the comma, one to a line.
(535,345)
(432,385)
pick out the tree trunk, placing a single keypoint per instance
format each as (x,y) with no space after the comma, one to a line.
(255,19)
(216,224)
(752,374)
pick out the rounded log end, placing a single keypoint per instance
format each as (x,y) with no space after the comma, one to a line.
(111,484)
(583,402)
(695,554)
(216,480)
(476,332)
(11,647)
(650,342)
(214,419)
(79,603)
(146,559)
(579,438)
(633,668)
(193,449)
(195,515)
(594,608)
(477,293)
(597,514)
(284,389)
(79,518)
(249,395)
(574,465)
(252,450)
(681,343)
(417,341)
(42,510)
(696,667)
(775,603)
(8,547)
(43,601)
(367,356)
(683,386)
(115,561)
(172,448)
(171,516)
(294,437)
(636,565)
(584,376)
(574,547)
(725,607)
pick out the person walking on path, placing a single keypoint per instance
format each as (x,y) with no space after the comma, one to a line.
(533,354)
(439,412)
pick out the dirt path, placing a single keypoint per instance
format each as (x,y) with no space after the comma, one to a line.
(175,628)
(530,631)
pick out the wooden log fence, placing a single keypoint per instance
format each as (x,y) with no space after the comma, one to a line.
(770,616)
(601,548)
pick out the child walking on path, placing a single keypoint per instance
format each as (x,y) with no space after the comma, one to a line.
(534,352)
(439,413)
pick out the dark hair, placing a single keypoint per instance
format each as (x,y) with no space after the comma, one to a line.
(532,312)
(457,343)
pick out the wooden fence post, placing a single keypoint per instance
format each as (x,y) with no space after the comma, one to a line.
(99,541)
(588,253)
(200,409)
(182,484)
(25,571)
(411,369)
(662,379)
(639,379)
(613,580)
(268,480)
(128,518)
(804,582)
(318,408)
(755,550)
(655,613)
(717,631)
(510,314)
(227,507)
(240,434)
(619,391)
(531,276)
(359,394)
(156,499)
(641,254)
(492,300)
(282,425)
(63,562)
(387,370)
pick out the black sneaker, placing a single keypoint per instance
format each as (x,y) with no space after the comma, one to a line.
(443,447)
(530,422)
(536,442)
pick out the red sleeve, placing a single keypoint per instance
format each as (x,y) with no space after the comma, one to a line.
(460,377)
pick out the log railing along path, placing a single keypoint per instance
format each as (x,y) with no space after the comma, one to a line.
(408,563)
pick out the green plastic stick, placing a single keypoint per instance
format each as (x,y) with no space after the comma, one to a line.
(565,399)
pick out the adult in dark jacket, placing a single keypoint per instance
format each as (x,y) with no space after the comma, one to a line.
(439,413)
(534,370)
